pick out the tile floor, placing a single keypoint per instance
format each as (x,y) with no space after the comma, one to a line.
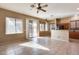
(40,46)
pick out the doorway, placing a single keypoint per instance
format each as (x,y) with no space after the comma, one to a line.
(32,29)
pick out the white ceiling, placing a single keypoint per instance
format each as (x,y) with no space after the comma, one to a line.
(56,9)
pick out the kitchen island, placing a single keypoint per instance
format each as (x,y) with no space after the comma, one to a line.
(62,35)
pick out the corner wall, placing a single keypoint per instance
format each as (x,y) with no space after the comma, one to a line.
(13,37)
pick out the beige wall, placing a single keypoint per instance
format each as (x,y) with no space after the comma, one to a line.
(65,20)
(73,18)
(51,21)
(13,37)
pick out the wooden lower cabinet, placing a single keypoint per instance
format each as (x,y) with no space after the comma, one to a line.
(45,33)
(74,35)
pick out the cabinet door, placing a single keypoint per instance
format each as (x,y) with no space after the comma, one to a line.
(72,24)
(78,24)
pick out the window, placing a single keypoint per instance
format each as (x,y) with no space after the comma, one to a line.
(19,26)
(52,26)
(41,27)
(44,27)
(10,25)
(13,25)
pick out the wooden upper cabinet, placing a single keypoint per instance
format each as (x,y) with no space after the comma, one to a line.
(72,25)
(74,29)
(78,24)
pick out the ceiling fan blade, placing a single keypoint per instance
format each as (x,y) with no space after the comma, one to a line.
(45,5)
(32,6)
(43,10)
(39,4)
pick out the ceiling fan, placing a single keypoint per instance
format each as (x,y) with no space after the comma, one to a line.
(39,7)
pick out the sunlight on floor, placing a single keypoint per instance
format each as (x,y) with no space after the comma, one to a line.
(34,45)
